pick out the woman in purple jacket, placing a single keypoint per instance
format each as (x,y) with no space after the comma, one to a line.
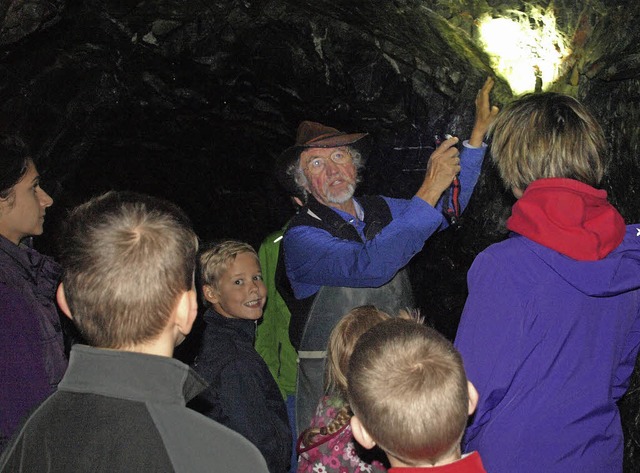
(550,331)
(32,359)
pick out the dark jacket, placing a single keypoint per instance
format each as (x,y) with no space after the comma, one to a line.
(32,359)
(118,411)
(242,394)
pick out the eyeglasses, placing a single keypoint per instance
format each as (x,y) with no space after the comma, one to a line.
(316,165)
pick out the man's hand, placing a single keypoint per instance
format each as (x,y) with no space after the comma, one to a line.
(485,114)
(444,165)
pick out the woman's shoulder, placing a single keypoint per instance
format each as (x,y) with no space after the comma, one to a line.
(11,271)
(28,270)
(16,314)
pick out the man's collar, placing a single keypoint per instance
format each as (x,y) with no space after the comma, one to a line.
(318,210)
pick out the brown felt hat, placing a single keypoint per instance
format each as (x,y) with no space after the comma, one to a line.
(311,135)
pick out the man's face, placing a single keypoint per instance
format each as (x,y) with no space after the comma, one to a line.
(334,184)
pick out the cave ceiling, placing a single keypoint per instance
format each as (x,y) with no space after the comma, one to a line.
(193,100)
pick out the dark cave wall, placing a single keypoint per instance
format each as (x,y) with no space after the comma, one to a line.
(193,101)
(153,96)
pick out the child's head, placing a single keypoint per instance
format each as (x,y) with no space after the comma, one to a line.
(547,135)
(129,261)
(343,339)
(409,393)
(231,280)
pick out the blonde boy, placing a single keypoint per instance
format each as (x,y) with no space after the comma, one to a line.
(410,396)
(242,394)
(129,263)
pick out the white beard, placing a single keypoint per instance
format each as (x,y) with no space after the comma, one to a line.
(342,197)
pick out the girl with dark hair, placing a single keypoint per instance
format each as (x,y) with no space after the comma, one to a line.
(32,358)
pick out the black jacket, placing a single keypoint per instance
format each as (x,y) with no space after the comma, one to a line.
(242,394)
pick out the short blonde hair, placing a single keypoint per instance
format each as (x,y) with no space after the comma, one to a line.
(547,135)
(408,388)
(342,341)
(214,260)
(127,258)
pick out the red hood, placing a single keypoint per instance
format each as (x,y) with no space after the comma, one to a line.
(568,216)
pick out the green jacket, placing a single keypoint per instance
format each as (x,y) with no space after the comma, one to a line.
(272,337)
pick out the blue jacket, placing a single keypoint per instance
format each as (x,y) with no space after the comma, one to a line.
(242,394)
(314,257)
(550,343)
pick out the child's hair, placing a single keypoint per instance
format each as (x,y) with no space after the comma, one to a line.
(547,135)
(127,259)
(214,260)
(408,388)
(342,341)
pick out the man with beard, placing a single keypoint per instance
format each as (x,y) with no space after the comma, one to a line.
(340,252)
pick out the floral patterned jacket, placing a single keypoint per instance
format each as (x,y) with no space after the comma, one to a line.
(337,452)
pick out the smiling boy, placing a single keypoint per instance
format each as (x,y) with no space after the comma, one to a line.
(242,394)
(129,263)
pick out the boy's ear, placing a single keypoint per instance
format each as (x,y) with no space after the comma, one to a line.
(210,293)
(517,192)
(186,311)
(62,301)
(473,397)
(361,434)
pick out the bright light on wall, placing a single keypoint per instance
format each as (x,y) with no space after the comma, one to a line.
(525,48)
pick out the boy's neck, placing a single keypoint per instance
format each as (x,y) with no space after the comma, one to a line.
(161,346)
(452,456)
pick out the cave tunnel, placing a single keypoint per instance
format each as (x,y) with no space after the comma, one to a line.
(193,101)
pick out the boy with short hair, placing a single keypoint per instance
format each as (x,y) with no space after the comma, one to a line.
(410,395)
(129,263)
(242,394)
